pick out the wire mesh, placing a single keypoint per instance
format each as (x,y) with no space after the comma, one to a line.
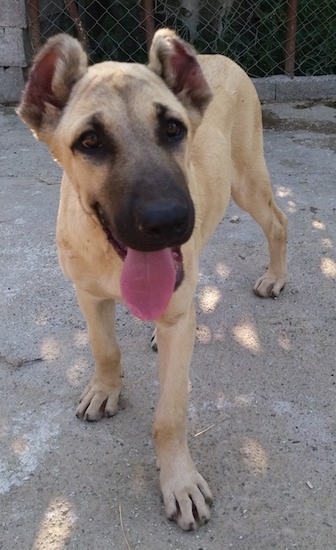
(263,36)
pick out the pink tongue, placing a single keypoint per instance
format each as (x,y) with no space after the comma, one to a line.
(147,282)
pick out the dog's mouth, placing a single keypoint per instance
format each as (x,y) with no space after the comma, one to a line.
(148,279)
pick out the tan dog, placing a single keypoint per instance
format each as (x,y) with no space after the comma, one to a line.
(151,155)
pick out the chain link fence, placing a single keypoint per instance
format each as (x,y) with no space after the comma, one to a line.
(265,37)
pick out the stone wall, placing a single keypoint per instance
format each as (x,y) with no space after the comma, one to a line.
(12,52)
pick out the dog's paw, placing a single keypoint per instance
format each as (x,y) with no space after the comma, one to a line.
(269,286)
(98,400)
(187,498)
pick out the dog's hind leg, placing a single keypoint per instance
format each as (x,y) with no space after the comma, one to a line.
(154,340)
(253,193)
(100,397)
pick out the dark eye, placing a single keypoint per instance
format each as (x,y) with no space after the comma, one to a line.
(90,140)
(175,130)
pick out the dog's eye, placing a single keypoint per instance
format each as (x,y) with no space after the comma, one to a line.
(175,130)
(94,144)
(90,141)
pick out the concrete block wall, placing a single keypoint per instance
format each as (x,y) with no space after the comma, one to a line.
(283,88)
(12,52)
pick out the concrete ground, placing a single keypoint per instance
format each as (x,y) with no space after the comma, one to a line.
(262,418)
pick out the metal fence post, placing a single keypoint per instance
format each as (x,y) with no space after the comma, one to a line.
(290,41)
(149,22)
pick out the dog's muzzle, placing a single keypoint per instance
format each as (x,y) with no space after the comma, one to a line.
(151,252)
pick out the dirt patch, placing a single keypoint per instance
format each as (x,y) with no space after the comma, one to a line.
(271,121)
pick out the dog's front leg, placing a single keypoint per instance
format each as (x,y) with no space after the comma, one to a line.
(186,494)
(100,397)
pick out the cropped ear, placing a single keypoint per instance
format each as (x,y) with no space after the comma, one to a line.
(57,67)
(176,63)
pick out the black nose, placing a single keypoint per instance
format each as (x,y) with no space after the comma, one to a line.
(164,221)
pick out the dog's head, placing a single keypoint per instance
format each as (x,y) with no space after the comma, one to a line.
(122,133)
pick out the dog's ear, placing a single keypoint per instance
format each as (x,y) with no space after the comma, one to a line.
(57,67)
(176,63)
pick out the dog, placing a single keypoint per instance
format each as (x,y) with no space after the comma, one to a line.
(151,155)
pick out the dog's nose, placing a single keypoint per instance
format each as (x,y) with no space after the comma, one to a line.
(164,221)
